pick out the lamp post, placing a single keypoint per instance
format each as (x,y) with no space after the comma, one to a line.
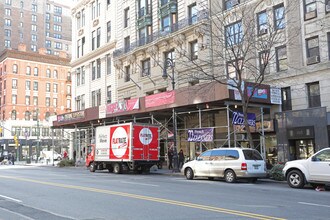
(169,63)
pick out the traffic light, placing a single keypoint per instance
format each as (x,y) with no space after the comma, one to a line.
(16,140)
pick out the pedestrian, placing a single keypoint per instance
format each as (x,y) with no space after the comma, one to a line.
(13,158)
(65,154)
(170,158)
(181,159)
(74,155)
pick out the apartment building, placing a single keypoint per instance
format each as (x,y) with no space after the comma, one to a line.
(37,24)
(34,87)
(163,53)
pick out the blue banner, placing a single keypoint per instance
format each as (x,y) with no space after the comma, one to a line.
(200,135)
(238,119)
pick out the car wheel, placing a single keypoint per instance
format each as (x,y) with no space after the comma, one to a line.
(92,167)
(117,168)
(189,174)
(296,179)
(230,176)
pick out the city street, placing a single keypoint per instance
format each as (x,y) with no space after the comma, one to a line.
(46,192)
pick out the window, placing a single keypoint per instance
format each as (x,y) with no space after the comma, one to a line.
(83,17)
(166,24)
(34,37)
(27,100)
(98,68)
(108,31)
(27,116)
(68,89)
(96,98)
(7,22)
(35,86)
(108,64)
(57,27)
(34,27)
(28,70)
(13,115)
(15,68)
(58,18)
(328,45)
(279,17)
(7,43)
(192,10)
(127,74)
(58,45)
(83,75)
(93,40)
(127,43)
(230,4)
(57,9)
(34,8)
(35,100)
(194,50)
(48,73)
(55,102)
(233,67)
(126,17)
(47,16)
(47,87)
(108,94)
(35,71)
(234,34)
(98,38)
(264,62)
(7,12)
(14,99)
(93,70)
(34,47)
(14,83)
(55,74)
(232,155)
(27,85)
(55,88)
(171,55)
(262,23)
(313,51)
(146,67)
(7,32)
(8,2)
(310,9)
(34,18)
(313,90)
(281,59)
(218,154)
(286,99)
(47,101)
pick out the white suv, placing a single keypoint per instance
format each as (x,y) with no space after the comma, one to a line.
(227,163)
(314,170)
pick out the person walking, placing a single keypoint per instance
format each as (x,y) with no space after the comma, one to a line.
(181,159)
(170,158)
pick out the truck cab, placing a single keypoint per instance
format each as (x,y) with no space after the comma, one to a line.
(90,154)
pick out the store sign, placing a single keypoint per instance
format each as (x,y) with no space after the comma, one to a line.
(71,116)
(160,99)
(275,95)
(301,132)
(201,135)
(238,119)
(257,93)
(123,106)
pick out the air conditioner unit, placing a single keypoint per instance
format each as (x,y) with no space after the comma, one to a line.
(312,60)
(327,8)
(263,31)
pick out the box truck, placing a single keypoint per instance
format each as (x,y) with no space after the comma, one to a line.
(124,147)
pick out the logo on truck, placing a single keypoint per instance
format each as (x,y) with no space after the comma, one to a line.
(145,136)
(119,142)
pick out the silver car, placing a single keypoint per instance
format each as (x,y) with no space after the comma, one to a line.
(228,163)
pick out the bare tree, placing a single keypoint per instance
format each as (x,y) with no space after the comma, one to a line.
(241,42)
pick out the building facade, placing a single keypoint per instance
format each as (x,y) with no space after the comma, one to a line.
(157,47)
(34,88)
(37,24)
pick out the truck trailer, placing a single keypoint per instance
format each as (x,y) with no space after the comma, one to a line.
(124,147)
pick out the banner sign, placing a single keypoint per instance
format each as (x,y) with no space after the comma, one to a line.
(275,95)
(159,99)
(123,106)
(200,135)
(257,93)
(71,116)
(238,119)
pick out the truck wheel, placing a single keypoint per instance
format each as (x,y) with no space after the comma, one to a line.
(296,179)
(92,167)
(117,168)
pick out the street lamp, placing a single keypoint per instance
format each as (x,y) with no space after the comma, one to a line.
(169,63)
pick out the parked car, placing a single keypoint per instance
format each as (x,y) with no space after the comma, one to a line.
(228,163)
(314,170)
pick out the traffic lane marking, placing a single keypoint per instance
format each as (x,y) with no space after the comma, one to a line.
(142,184)
(9,198)
(148,198)
(314,204)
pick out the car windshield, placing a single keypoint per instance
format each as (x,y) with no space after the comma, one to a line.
(252,155)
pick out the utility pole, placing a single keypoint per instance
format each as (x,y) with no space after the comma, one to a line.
(38,135)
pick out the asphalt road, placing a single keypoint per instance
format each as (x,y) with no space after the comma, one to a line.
(74,193)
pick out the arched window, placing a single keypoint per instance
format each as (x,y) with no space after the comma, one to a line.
(48,74)
(35,115)
(13,115)
(55,74)
(27,116)
(28,70)
(35,71)
(15,68)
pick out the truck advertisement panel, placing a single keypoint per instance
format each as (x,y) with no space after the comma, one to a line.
(102,143)
(120,138)
(146,142)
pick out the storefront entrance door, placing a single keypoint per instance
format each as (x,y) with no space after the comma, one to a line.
(301,149)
